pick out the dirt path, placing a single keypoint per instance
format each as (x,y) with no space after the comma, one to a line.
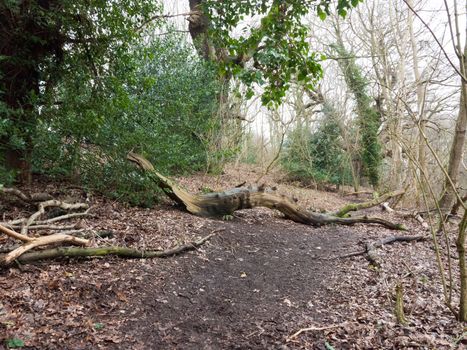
(248,290)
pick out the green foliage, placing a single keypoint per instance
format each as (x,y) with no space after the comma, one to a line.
(44,41)
(279,47)
(98,326)
(317,156)
(159,100)
(369,119)
(7,176)
(14,343)
(251,148)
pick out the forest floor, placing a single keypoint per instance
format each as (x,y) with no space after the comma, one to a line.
(253,285)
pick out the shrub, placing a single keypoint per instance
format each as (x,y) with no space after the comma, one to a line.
(317,156)
(159,101)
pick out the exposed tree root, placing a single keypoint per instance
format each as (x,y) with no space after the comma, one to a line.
(123,252)
(370,247)
(225,203)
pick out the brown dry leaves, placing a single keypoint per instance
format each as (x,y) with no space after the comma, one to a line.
(84,303)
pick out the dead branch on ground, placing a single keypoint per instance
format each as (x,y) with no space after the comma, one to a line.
(308,329)
(358,193)
(370,247)
(34,197)
(51,203)
(123,252)
(30,243)
(365,205)
(31,223)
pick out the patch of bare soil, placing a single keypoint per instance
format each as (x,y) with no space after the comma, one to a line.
(249,289)
(252,286)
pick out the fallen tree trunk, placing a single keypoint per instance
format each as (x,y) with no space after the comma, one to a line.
(102,251)
(225,203)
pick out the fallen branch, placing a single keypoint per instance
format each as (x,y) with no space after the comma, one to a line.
(35,197)
(308,329)
(14,234)
(365,205)
(51,203)
(419,218)
(123,252)
(64,217)
(225,203)
(370,247)
(45,227)
(15,192)
(40,241)
(18,223)
(358,193)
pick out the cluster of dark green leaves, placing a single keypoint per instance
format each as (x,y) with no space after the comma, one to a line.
(159,100)
(276,52)
(317,155)
(94,87)
(42,41)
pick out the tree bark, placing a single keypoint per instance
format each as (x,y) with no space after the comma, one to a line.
(198,25)
(420,97)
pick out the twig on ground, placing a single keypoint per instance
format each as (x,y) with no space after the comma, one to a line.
(308,329)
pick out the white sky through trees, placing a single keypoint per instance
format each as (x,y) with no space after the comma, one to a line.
(433,12)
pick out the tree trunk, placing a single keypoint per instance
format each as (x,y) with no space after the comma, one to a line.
(457,148)
(460,244)
(18,80)
(420,99)
(20,162)
(198,25)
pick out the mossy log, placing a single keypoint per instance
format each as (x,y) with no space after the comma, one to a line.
(123,252)
(220,204)
(376,201)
